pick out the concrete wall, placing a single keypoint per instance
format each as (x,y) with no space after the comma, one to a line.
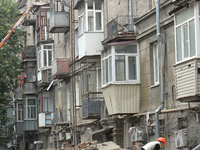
(150,94)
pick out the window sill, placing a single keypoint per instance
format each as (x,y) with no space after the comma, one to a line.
(120,82)
(153,86)
(35,119)
(21,121)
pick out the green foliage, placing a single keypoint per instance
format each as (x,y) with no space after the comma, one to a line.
(9,53)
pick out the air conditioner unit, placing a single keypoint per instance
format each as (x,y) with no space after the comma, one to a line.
(61,137)
(184,137)
(68,136)
(137,135)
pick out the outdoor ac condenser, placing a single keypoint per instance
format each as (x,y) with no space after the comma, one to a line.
(137,135)
(185,137)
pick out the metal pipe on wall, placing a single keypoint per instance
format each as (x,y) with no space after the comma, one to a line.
(158,110)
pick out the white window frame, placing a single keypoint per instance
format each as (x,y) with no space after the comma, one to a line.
(41,51)
(103,64)
(155,60)
(48,99)
(21,112)
(84,26)
(112,71)
(31,106)
(196,19)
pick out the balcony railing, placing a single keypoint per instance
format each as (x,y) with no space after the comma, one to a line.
(122,24)
(43,34)
(59,22)
(60,67)
(91,105)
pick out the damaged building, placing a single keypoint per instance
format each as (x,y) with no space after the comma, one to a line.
(99,71)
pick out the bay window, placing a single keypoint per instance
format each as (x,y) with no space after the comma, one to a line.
(120,64)
(45,56)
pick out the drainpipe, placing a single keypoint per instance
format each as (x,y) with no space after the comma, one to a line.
(158,110)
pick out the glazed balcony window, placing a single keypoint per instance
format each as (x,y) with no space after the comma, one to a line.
(90,16)
(120,64)
(31,109)
(45,56)
(185,34)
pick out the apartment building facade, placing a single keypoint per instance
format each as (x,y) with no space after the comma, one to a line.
(95,69)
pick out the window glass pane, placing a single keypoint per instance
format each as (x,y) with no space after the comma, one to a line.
(43,18)
(107,71)
(120,68)
(199,8)
(31,73)
(39,48)
(103,71)
(132,68)
(192,38)
(33,112)
(90,21)
(19,115)
(81,9)
(185,41)
(47,46)
(49,58)
(90,4)
(31,101)
(126,48)
(50,104)
(19,106)
(98,5)
(110,68)
(155,63)
(39,60)
(98,21)
(178,44)
(45,103)
(29,112)
(102,54)
(45,57)
(108,52)
(185,15)
(80,25)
